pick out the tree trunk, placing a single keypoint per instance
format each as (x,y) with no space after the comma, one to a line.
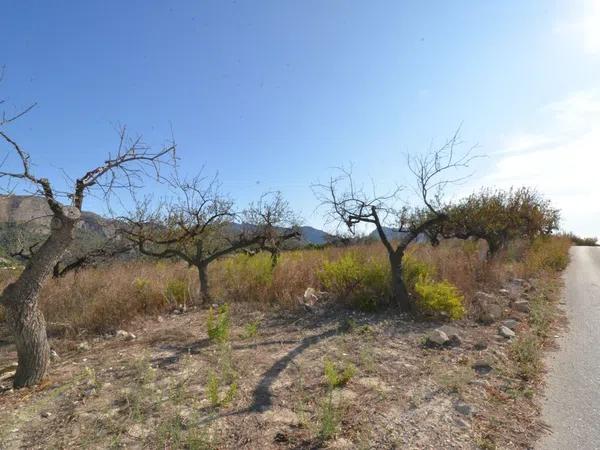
(20,299)
(399,291)
(203,276)
(28,327)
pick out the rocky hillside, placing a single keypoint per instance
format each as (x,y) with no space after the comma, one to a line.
(33,213)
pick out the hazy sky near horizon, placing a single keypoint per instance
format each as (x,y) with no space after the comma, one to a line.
(272,94)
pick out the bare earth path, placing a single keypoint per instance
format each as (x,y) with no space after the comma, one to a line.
(572,407)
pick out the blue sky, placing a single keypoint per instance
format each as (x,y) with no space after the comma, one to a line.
(272,94)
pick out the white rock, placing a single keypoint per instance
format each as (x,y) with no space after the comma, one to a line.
(506,332)
(510,323)
(437,337)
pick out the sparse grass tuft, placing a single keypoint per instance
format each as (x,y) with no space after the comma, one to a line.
(251,330)
(455,381)
(526,351)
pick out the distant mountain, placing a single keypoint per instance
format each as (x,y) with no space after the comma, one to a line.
(33,213)
(314,236)
(30,215)
(25,220)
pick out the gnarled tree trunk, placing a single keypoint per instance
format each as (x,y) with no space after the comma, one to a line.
(203,276)
(20,300)
(399,291)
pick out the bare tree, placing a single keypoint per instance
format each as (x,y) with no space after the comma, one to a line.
(75,261)
(125,169)
(349,204)
(198,226)
(274,220)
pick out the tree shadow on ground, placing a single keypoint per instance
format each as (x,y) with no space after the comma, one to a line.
(336,323)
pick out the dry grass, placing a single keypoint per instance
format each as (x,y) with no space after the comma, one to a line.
(99,300)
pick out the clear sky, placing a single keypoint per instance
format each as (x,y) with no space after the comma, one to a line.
(272,94)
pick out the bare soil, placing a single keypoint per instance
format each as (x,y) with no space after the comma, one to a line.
(153,391)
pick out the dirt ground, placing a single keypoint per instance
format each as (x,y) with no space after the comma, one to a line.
(264,386)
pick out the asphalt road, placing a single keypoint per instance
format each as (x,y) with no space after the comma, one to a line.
(572,405)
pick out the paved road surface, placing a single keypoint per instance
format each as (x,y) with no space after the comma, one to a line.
(572,406)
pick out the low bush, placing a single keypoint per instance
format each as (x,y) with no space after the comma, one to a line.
(246,275)
(440,298)
(362,281)
(432,297)
(577,240)
(548,253)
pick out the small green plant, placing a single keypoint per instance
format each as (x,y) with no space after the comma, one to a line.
(177,291)
(440,297)
(213,391)
(526,352)
(330,418)
(337,377)
(89,375)
(218,324)
(251,330)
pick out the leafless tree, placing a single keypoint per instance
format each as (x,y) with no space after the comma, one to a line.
(273,220)
(73,262)
(350,204)
(125,169)
(198,225)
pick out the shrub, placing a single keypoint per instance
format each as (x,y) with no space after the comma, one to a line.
(433,297)
(526,352)
(578,240)
(440,297)
(246,275)
(547,253)
(364,282)
(337,377)
(177,291)
(218,324)
(414,270)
